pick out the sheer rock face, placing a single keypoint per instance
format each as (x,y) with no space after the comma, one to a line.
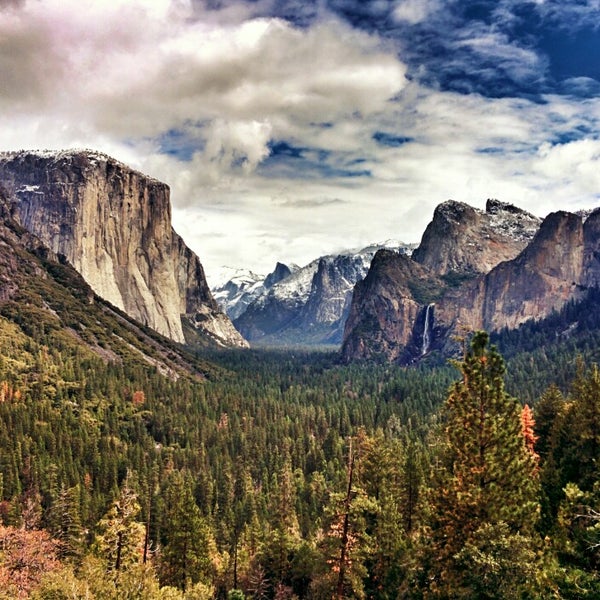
(546,275)
(462,239)
(331,290)
(559,264)
(384,308)
(113,225)
(310,305)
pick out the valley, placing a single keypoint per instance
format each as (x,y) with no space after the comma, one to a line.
(147,461)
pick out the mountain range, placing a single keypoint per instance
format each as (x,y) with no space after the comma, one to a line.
(298,305)
(494,269)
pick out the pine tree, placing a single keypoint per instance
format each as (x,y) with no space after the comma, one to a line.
(64,522)
(346,543)
(580,462)
(550,414)
(487,484)
(189,546)
(121,536)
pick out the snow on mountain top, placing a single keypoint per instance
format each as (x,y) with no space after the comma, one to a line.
(511,221)
(69,153)
(219,278)
(298,284)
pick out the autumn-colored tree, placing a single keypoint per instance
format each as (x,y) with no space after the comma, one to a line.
(120,540)
(528,430)
(346,542)
(25,557)
(487,482)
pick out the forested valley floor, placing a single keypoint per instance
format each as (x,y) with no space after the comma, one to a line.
(286,475)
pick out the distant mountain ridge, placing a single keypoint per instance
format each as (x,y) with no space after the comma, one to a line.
(473,270)
(113,224)
(298,306)
(243,287)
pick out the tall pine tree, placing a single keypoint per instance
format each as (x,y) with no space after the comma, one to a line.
(484,506)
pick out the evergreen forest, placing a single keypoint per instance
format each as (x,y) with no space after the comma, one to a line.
(132,468)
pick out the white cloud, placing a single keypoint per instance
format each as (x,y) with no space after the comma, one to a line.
(415,11)
(573,165)
(123,76)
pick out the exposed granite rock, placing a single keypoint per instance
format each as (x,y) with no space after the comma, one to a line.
(464,240)
(385,308)
(546,275)
(591,250)
(559,264)
(280,272)
(310,305)
(113,225)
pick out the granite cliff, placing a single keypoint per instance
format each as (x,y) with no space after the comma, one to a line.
(465,240)
(242,287)
(113,225)
(309,305)
(403,317)
(385,307)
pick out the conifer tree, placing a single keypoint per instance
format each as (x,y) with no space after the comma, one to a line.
(487,484)
(550,414)
(121,535)
(64,522)
(346,542)
(580,462)
(189,547)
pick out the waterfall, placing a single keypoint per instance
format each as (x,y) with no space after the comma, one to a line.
(427,329)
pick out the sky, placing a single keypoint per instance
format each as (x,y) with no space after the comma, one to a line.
(292,129)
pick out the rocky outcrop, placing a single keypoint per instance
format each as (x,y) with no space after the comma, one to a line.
(309,306)
(558,265)
(331,290)
(243,287)
(269,317)
(546,275)
(113,225)
(465,240)
(280,272)
(385,308)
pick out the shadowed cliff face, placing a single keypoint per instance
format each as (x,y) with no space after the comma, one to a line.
(113,224)
(385,307)
(559,264)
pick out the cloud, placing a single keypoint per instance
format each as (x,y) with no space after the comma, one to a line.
(291,129)
(521,64)
(312,202)
(570,15)
(236,144)
(574,165)
(134,72)
(415,11)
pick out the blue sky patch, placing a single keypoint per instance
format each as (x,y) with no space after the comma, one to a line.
(390,139)
(179,144)
(293,162)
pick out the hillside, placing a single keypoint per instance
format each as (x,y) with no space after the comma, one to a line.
(113,225)
(121,452)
